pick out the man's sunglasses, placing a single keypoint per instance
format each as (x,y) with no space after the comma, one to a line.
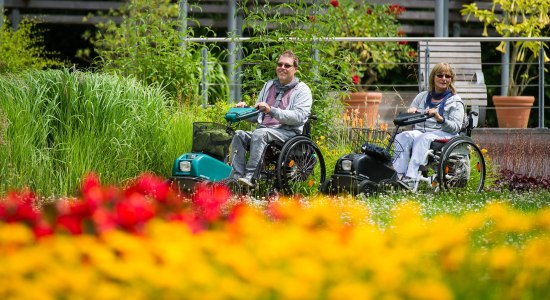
(444,75)
(286,66)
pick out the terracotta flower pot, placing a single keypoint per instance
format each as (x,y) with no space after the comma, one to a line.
(362,108)
(513,111)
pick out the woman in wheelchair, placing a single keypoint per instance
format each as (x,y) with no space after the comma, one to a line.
(447,111)
(285,104)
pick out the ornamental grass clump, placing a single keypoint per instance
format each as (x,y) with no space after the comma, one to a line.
(144,240)
(64,124)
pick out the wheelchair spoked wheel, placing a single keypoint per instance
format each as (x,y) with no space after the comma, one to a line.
(300,167)
(462,166)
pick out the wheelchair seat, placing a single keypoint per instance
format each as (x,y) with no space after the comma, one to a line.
(438,144)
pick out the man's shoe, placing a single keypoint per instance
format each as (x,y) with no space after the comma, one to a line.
(245,181)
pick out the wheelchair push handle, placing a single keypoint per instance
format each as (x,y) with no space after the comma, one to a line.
(404,119)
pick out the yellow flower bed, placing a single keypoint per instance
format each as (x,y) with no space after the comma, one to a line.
(325,248)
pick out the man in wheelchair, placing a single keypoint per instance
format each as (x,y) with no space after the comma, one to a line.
(285,104)
(448,118)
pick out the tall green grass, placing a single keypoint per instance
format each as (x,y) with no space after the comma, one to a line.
(63,124)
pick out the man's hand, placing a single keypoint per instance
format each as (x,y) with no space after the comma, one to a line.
(262,105)
(240,104)
(412,110)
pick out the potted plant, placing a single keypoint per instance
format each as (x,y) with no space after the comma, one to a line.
(515,18)
(362,19)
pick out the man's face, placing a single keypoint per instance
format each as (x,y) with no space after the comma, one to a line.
(285,69)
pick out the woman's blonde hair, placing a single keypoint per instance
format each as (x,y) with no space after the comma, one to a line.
(441,68)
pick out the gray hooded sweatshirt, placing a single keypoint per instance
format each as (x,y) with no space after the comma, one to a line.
(295,115)
(453,112)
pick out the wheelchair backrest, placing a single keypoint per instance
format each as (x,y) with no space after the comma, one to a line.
(307,126)
(469,126)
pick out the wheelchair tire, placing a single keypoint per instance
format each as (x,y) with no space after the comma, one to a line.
(300,167)
(462,166)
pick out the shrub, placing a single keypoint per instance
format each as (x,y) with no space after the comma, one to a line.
(513,181)
(301,28)
(23,49)
(148,44)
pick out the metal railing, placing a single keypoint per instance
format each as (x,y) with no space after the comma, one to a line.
(235,83)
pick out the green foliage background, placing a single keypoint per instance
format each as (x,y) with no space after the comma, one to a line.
(148,44)
(23,49)
(301,28)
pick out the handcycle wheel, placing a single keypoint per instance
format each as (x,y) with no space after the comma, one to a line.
(326,187)
(368,188)
(462,166)
(300,167)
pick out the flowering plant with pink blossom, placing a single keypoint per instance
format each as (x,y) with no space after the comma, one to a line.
(364,19)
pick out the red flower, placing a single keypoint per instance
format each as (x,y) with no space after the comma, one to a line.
(104,220)
(369,11)
(133,211)
(90,181)
(403,42)
(150,185)
(311,18)
(334,3)
(72,213)
(42,229)
(71,223)
(192,221)
(412,53)
(355,78)
(209,199)
(94,195)
(18,207)
(396,9)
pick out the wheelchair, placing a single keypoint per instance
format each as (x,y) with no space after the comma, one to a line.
(455,164)
(295,166)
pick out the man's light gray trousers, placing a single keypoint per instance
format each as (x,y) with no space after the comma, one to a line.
(257,141)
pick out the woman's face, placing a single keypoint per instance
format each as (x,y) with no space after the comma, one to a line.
(442,80)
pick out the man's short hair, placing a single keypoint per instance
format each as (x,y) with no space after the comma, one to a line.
(289,53)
